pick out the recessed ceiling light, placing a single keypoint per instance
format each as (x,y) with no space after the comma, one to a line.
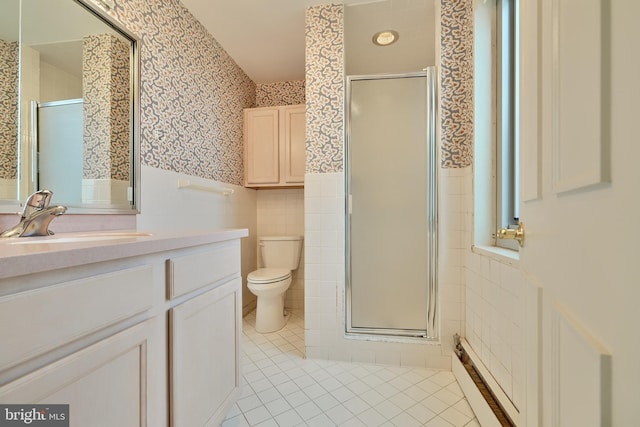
(385,38)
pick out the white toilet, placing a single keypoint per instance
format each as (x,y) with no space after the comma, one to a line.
(280,256)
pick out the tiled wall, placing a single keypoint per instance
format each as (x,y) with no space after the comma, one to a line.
(8,110)
(494,311)
(325,295)
(192,91)
(453,242)
(280,93)
(281,212)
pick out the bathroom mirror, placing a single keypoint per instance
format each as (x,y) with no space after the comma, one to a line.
(78,107)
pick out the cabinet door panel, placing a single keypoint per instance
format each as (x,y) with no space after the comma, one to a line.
(295,144)
(111,383)
(205,356)
(262,146)
(92,302)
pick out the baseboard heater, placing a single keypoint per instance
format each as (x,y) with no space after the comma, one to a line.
(490,404)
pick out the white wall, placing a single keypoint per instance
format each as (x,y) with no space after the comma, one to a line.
(165,207)
(57,84)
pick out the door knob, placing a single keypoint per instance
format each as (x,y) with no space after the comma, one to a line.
(511,234)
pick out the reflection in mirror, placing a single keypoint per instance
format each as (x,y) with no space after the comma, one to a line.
(9,25)
(78,100)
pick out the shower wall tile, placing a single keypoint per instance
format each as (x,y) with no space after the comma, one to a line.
(325,289)
(281,212)
(452,253)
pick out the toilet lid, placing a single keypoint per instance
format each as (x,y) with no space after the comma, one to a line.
(268,275)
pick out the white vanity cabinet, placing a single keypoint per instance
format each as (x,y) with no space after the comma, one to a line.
(275,146)
(149,336)
(204,335)
(87,340)
(115,382)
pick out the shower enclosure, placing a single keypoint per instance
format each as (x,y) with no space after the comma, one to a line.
(391,177)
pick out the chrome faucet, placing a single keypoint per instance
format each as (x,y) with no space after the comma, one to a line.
(36,216)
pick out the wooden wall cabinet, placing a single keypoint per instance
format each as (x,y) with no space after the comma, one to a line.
(274,146)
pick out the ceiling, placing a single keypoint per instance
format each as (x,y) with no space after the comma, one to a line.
(265,37)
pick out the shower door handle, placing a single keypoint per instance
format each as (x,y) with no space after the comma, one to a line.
(511,234)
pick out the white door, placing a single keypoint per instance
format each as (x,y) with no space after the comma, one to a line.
(580,185)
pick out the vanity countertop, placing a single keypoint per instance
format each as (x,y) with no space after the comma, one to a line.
(27,255)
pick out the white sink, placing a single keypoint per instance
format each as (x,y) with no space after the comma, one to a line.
(78,238)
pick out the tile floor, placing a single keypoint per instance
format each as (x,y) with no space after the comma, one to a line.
(282,388)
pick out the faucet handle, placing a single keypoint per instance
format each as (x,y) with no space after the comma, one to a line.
(37,201)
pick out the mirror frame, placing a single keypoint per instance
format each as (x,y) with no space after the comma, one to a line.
(134,208)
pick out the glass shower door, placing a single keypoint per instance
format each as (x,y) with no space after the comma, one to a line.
(391,191)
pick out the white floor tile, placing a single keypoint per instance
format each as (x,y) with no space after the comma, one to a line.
(308,410)
(257,415)
(421,413)
(388,409)
(289,419)
(455,417)
(278,406)
(326,402)
(296,398)
(238,421)
(355,405)
(339,414)
(434,404)
(438,422)
(249,403)
(320,421)
(405,420)
(281,388)
(402,401)
(372,418)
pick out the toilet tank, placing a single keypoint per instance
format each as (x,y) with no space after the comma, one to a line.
(280,251)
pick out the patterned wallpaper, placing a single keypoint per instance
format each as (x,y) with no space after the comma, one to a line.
(325,94)
(325,88)
(8,109)
(106,92)
(192,93)
(456,77)
(280,93)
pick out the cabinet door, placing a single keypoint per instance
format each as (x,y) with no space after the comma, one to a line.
(205,356)
(294,136)
(115,382)
(261,144)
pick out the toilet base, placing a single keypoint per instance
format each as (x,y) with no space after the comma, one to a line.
(270,315)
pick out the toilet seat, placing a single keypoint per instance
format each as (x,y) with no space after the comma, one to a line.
(268,275)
